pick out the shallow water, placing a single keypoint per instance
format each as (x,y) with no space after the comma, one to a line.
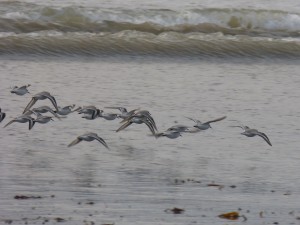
(140,176)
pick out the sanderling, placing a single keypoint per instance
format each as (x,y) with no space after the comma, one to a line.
(172,134)
(23,119)
(124,113)
(141,114)
(41,96)
(178,128)
(63,111)
(206,125)
(253,132)
(108,116)
(88,137)
(137,120)
(90,112)
(20,90)
(42,109)
(42,119)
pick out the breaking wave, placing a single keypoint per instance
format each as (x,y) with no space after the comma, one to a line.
(34,29)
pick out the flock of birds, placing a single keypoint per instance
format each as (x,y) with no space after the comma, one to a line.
(135,116)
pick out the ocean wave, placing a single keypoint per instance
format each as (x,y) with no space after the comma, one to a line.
(27,28)
(143,43)
(24,17)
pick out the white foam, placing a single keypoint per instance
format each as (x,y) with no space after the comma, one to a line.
(15,15)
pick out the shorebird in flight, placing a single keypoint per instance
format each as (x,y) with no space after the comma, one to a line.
(20,90)
(42,119)
(172,134)
(108,116)
(41,96)
(253,132)
(42,109)
(139,117)
(88,137)
(22,119)
(90,112)
(206,125)
(179,128)
(63,111)
(124,113)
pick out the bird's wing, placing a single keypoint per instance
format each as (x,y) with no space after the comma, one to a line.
(69,106)
(124,126)
(196,121)
(150,118)
(24,86)
(54,114)
(149,125)
(52,99)
(264,136)
(216,120)
(76,141)
(30,104)
(243,127)
(94,113)
(31,123)
(131,114)
(2,117)
(10,122)
(101,141)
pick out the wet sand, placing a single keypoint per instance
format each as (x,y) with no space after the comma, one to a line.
(141,179)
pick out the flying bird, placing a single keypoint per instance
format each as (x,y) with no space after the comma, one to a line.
(88,137)
(20,90)
(139,117)
(42,109)
(22,119)
(253,132)
(42,119)
(41,96)
(172,134)
(90,112)
(206,125)
(108,116)
(137,121)
(63,111)
(124,113)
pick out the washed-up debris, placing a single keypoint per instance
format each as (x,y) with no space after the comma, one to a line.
(188,180)
(232,216)
(22,197)
(175,210)
(261,214)
(58,219)
(219,186)
(90,203)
